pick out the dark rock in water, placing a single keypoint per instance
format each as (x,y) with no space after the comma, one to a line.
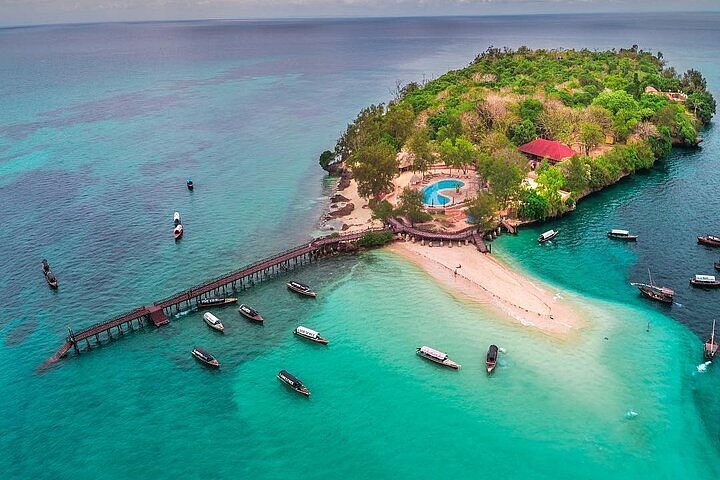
(342,211)
(337,198)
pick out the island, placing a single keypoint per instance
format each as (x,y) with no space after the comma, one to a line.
(517,136)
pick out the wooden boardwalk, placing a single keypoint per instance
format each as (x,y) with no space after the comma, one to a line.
(158,312)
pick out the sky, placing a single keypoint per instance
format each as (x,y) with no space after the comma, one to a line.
(31,12)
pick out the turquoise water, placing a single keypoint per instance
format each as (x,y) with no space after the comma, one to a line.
(101,125)
(432,195)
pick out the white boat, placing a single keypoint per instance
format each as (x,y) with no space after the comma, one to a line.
(310,334)
(436,356)
(178,231)
(213,322)
(547,236)
(705,281)
(176,219)
(622,235)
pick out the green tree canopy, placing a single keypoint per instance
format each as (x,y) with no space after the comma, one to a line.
(482,211)
(411,206)
(374,167)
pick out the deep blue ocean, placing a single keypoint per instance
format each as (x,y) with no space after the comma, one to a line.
(100,125)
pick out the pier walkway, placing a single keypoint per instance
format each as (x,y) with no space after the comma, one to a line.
(158,312)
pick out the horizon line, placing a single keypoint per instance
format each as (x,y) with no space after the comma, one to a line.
(349,17)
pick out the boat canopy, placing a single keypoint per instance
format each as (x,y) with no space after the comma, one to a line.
(289,378)
(247,309)
(547,234)
(624,233)
(300,285)
(204,353)
(178,228)
(307,332)
(714,237)
(705,278)
(433,353)
(209,317)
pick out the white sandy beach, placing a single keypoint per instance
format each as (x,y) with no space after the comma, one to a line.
(484,279)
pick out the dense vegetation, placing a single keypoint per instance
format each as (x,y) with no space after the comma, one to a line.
(375,239)
(477,116)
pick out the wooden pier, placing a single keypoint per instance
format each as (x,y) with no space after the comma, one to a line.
(158,312)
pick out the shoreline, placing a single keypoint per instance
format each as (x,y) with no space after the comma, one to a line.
(486,281)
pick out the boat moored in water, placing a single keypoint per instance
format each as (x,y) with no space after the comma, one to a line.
(190,184)
(709,240)
(437,356)
(51,280)
(310,334)
(293,382)
(547,236)
(213,322)
(622,235)
(302,289)
(706,281)
(491,358)
(178,231)
(215,301)
(205,357)
(652,291)
(711,346)
(176,219)
(250,313)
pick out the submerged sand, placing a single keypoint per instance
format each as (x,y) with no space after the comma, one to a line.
(486,280)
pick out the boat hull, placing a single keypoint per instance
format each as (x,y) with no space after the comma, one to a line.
(299,291)
(319,340)
(255,318)
(445,363)
(217,303)
(708,242)
(212,364)
(657,297)
(626,238)
(697,284)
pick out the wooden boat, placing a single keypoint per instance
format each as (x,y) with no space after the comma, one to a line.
(250,313)
(705,281)
(213,322)
(709,240)
(310,334)
(215,301)
(436,356)
(660,294)
(547,236)
(711,346)
(293,382)
(178,231)
(176,219)
(190,184)
(51,280)
(491,358)
(622,235)
(302,289)
(205,357)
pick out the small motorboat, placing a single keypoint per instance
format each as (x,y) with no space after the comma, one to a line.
(250,313)
(215,301)
(205,357)
(310,334)
(178,231)
(51,280)
(491,358)
(213,322)
(436,356)
(709,240)
(711,346)
(190,184)
(302,289)
(293,382)
(176,219)
(652,291)
(547,236)
(705,281)
(622,235)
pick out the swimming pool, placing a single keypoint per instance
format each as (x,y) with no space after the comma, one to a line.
(431,193)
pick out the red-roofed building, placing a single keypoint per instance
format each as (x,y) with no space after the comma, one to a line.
(542,148)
